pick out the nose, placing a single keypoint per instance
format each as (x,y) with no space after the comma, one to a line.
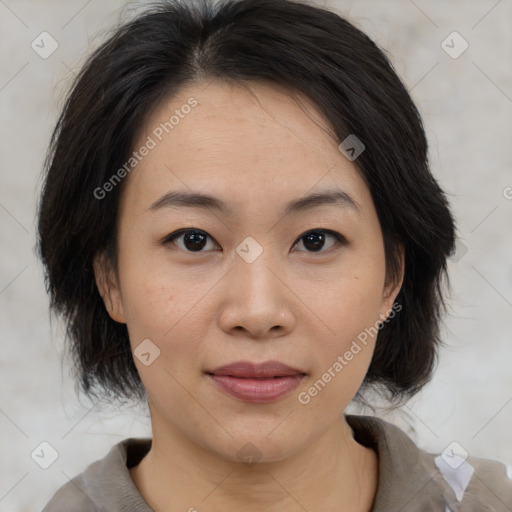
(257,302)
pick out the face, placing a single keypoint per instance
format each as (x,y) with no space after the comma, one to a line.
(256,274)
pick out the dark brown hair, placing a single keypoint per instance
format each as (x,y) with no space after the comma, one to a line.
(306,49)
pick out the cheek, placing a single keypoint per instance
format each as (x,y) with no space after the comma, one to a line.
(343,355)
(156,301)
(349,307)
(163,313)
(351,304)
(147,303)
(357,311)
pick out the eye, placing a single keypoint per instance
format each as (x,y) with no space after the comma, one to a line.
(314,240)
(193,240)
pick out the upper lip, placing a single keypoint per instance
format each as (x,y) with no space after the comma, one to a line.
(245,369)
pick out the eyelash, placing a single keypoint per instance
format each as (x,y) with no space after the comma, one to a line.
(340,239)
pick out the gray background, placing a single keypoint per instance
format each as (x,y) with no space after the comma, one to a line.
(466,103)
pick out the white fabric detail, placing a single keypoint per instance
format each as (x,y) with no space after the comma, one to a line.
(509,471)
(457,474)
(447,508)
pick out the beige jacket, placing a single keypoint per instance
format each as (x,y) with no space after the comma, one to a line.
(410,479)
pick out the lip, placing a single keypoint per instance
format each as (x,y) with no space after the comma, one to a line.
(257,382)
(248,370)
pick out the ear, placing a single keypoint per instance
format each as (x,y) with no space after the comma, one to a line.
(108,287)
(392,287)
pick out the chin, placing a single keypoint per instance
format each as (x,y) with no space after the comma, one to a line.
(253,447)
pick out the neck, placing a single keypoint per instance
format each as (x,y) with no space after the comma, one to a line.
(334,473)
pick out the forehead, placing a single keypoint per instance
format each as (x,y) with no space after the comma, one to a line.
(240,145)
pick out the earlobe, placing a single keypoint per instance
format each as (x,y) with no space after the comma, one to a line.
(393,286)
(108,287)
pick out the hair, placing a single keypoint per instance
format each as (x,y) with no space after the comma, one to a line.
(306,49)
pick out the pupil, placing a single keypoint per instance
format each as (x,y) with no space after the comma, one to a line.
(314,241)
(194,241)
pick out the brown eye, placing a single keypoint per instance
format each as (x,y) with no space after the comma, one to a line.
(192,240)
(315,240)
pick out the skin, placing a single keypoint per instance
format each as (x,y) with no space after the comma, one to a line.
(210,308)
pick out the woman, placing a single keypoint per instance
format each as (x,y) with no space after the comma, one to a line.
(240,226)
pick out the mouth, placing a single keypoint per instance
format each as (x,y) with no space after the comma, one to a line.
(256,382)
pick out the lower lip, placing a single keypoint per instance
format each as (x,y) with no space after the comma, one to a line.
(257,390)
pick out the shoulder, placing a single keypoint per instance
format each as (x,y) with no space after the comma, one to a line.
(413,480)
(105,484)
(471,483)
(70,497)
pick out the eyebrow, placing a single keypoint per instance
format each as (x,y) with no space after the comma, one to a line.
(329,197)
